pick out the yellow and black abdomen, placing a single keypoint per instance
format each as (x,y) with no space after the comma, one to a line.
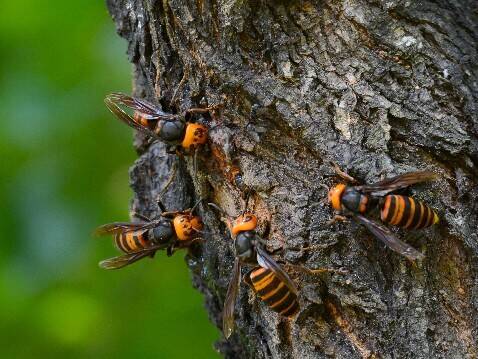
(406,212)
(143,121)
(133,241)
(273,291)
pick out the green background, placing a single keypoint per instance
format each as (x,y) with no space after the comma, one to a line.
(64,170)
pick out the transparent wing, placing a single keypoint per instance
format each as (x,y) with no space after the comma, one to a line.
(266,261)
(127,259)
(389,239)
(232,290)
(122,227)
(128,119)
(390,184)
(146,109)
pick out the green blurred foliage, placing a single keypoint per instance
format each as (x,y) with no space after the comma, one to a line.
(64,171)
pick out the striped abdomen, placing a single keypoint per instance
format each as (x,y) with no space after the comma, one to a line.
(403,211)
(273,292)
(140,119)
(132,241)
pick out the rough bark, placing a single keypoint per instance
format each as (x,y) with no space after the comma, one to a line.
(381,88)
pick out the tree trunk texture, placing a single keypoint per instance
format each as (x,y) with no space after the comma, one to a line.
(379,87)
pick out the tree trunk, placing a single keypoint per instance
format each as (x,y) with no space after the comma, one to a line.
(379,87)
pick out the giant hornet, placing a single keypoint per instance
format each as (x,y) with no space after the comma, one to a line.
(267,279)
(172,129)
(397,210)
(169,230)
(180,136)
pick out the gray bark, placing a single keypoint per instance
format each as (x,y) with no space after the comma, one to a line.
(381,88)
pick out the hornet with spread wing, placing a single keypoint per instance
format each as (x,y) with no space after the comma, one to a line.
(267,279)
(397,210)
(169,230)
